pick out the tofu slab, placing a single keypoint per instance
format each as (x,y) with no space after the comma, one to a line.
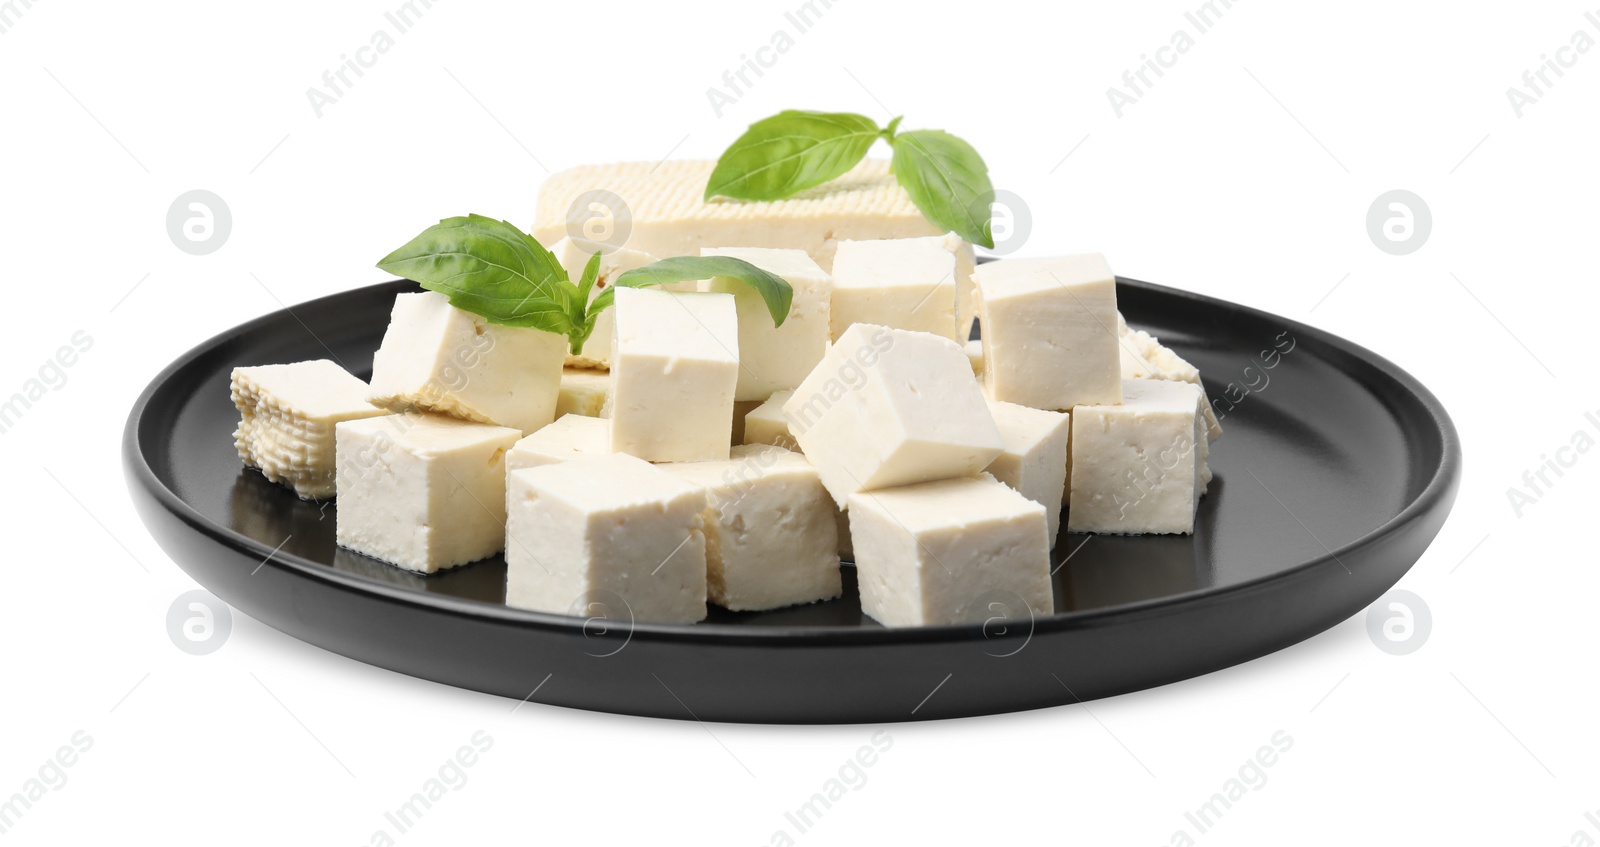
(1034,457)
(776,358)
(770,529)
(610,530)
(1050,331)
(905,283)
(423,492)
(438,358)
(1139,467)
(953,551)
(570,437)
(287,415)
(674,372)
(889,407)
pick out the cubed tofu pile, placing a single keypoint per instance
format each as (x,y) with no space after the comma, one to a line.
(696,453)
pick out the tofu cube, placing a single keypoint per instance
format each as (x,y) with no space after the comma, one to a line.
(890,407)
(906,283)
(1034,459)
(583,391)
(1050,331)
(606,529)
(777,358)
(286,418)
(770,529)
(574,256)
(438,358)
(1139,467)
(570,437)
(674,371)
(953,551)
(424,492)
(766,424)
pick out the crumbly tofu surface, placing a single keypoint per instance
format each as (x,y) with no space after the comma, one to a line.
(421,491)
(1034,458)
(570,437)
(905,283)
(1139,467)
(1050,331)
(776,358)
(674,371)
(611,531)
(1143,356)
(952,551)
(287,414)
(770,529)
(889,407)
(438,358)
(583,391)
(573,254)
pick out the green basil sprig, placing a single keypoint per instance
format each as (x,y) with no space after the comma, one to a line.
(792,151)
(493,269)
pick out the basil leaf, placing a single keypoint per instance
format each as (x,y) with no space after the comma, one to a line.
(490,268)
(789,152)
(583,324)
(773,289)
(948,181)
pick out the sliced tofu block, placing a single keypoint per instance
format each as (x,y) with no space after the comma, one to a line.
(438,358)
(777,358)
(286,418)
(583,392)
(574,256)
(890,407)
(1034,459)
(424,492)
(766,424)
(905,283)
(674,370)
(953,551)
(666,214)
(612,530)
(1050,331)
(1139,467)
(770,529)
(1143,356)
(570,437)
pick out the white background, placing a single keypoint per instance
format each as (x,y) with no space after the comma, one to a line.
(1245,172)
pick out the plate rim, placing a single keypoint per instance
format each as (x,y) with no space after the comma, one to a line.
(1440,485)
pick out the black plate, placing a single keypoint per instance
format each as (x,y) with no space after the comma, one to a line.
(1336,471)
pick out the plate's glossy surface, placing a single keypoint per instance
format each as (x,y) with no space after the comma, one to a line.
(1336,471)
